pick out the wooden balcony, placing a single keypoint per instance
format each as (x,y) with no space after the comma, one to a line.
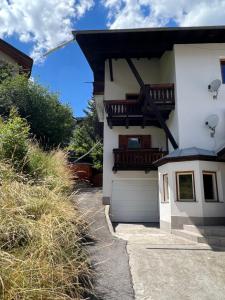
(136,159)
(136,112)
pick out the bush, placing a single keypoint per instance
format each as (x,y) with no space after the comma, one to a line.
(51,122)
(14,139)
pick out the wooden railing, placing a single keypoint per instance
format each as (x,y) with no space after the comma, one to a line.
(161,94)
(136,159)
(122,107)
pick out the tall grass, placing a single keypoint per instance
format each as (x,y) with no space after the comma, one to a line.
(41,232)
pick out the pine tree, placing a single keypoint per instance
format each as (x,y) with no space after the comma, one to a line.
(88,133)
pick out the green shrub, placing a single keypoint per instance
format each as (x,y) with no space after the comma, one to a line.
(14,135)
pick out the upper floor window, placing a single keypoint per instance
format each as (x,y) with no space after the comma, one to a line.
(134,141)
(185,186)
(210,186)
(222,65)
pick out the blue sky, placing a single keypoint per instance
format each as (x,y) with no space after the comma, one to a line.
(66,71)
(35,26)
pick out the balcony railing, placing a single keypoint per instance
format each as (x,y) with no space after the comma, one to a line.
(162,95)
(136,159)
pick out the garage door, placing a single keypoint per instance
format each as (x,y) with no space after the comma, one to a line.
(135,201)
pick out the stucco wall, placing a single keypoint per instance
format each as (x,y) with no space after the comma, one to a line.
(7,58)
(196,66)
(124,80)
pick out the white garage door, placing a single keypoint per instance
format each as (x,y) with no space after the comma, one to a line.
(135,201)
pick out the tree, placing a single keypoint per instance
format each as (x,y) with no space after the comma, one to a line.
(87,134)
(51,122)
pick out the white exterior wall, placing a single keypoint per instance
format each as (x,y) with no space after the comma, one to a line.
(123,79)
(196,67)
(199,208)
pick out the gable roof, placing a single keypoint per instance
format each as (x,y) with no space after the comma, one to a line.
(21,58)
(98,45)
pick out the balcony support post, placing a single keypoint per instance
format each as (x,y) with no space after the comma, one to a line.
(145,89)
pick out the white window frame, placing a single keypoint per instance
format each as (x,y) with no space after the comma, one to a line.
(178,173)
(166,196)
(215,186)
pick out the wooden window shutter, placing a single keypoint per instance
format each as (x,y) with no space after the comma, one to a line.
(123,141)
(145,141)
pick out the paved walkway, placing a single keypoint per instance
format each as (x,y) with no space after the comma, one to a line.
(108,254)
(167,267)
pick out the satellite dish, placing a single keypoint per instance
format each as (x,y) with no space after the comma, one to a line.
(211,122)
(214,86)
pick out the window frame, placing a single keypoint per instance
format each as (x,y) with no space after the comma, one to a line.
(165,200)
(222,63)
(213,173)
(178,187)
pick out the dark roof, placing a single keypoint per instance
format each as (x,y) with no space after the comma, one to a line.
(21,58)
(188,154)
(98,45)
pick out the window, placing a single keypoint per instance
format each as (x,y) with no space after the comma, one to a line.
(222,65)
(210,186)
(134,141)
(185,186)
(165,188)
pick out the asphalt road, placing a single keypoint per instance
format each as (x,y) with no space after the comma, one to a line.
(108,254)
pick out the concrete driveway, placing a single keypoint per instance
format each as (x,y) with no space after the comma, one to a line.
(167,267)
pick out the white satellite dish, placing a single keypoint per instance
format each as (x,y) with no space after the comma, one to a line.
(211,122)
(214,86)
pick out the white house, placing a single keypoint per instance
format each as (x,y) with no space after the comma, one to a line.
(164,122)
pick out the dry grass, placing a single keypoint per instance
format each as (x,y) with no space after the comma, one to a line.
(41,233)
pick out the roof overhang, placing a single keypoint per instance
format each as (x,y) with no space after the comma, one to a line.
(99,45)
(21,58)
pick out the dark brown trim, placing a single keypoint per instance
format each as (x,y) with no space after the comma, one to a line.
(166,160)
(193,182)
(217,194)
(164,194)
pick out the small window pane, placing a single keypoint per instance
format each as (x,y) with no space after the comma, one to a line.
(185,187)
(134,143)
(165,188)
(222,64)
(210,186)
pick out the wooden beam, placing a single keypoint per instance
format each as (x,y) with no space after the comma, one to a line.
(160,118)
(135,72)
(111,69)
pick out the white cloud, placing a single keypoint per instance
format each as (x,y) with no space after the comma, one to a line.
(154,13)
(46,23)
